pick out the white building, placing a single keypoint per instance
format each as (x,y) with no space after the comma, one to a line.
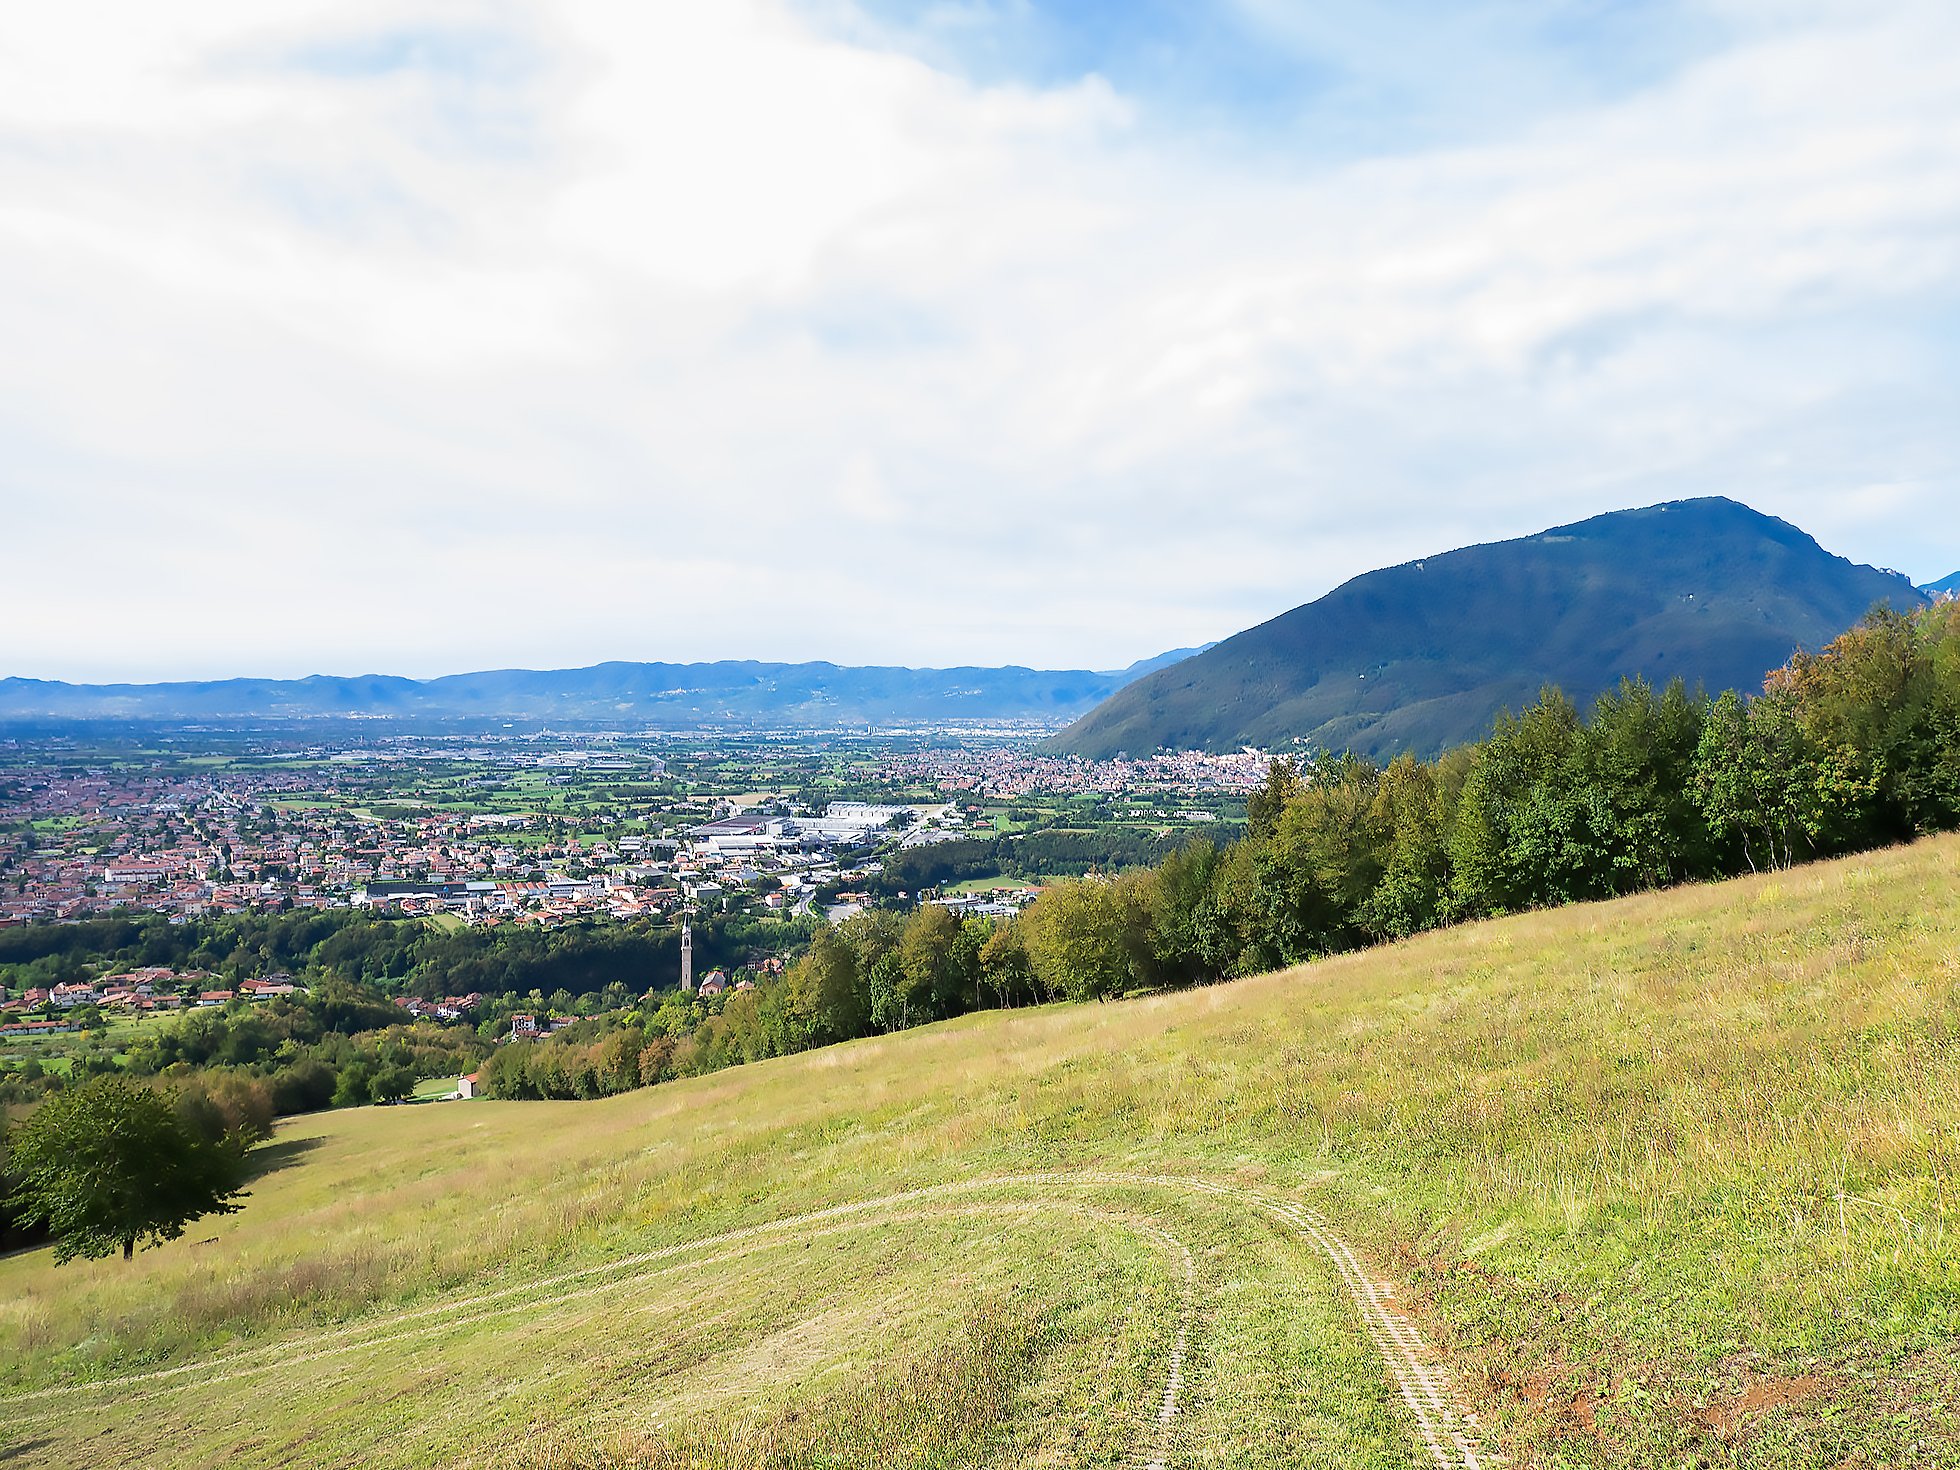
(870,814)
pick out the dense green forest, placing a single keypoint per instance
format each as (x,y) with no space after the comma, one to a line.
(1049,853)
(338,1044)
(405,956)
(1847,749)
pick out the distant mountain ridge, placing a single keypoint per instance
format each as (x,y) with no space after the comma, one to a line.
(1162,661)
(791,695)
(1945,587)
(1423,656)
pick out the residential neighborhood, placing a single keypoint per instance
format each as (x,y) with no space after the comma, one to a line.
(536,832)
(147,991)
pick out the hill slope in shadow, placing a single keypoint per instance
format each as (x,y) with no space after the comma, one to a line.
(1422,656)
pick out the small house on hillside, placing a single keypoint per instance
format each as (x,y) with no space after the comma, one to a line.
(715,984)
(467,1086)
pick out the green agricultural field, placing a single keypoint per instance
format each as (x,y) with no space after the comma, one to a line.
(1671,1181)
(988,885)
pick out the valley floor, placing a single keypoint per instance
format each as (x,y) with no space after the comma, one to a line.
(1665,1181)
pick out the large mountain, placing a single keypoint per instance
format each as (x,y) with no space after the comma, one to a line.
(669,695)
(1945,587)
(1423,656)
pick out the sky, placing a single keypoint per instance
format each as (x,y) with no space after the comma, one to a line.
(421,336)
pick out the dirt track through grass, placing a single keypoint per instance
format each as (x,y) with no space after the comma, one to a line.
(1444,1428)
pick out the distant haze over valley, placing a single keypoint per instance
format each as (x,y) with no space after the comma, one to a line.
(805,695)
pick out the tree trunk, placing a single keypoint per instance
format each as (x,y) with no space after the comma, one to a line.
(129,1246)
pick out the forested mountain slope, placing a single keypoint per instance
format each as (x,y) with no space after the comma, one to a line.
(1422,656)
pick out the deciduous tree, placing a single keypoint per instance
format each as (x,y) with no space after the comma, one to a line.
(110,1164)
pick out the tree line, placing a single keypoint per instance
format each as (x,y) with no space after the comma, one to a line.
(340,1045)
(1846,749)
(878,971)
(404,956)
(1029,855)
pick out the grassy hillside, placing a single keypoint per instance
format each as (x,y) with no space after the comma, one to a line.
(1421,657)
(1671,1180)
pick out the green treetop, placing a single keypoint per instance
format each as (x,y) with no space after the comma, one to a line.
(110,1164)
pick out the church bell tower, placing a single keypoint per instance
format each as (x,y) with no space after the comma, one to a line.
(687,957)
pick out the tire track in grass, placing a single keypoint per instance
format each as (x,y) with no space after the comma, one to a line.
(1153,1450)
(1447,1429)
(536,1285)
(1444,1428)
(441,1319)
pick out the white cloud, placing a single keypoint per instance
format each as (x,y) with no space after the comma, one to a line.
(423,336)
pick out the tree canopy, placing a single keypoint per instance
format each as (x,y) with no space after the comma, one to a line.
(112,1164)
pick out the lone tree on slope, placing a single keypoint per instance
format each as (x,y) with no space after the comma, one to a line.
(110,1164)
